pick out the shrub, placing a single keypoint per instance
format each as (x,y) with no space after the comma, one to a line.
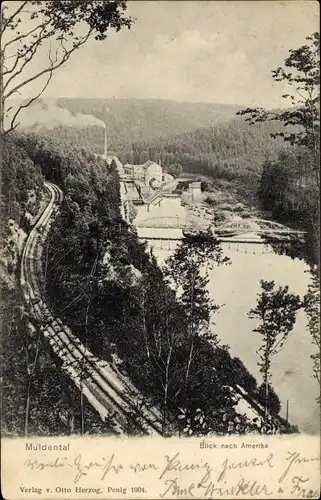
(239,207)
(222,216)
(226,206)
(211,199)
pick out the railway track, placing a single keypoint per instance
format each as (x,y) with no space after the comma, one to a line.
(110,393)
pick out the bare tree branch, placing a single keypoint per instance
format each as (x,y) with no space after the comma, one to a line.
(35,44)
(22,106)
(57,64)
(58,21)
(20,37)
(6,22)
(24,64)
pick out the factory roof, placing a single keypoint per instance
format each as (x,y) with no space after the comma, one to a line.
(144,165)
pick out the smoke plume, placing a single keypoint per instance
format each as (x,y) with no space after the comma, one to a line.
(47,114)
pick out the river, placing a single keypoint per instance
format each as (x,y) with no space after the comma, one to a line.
(236,286)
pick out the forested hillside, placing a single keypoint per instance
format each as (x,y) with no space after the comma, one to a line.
(107,288)
(20,178)
(290,183)
(150,117)
(37,398)
(288,188)
(231,151)
(173,133)
(127,120)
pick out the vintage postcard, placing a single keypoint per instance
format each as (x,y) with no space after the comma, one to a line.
(159,252)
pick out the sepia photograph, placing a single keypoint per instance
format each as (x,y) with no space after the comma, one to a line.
(159,255)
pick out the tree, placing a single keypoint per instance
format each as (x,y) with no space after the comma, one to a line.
(89,294)
(273,185)
(184,270)
(311,304)
(163,326)
(276,311)
(296,190)
(293,199)
(301,72)
(273,402)
(58,29)
(175,169)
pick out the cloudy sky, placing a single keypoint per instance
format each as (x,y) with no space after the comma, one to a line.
(210,51)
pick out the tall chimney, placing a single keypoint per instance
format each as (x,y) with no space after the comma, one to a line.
(105,145)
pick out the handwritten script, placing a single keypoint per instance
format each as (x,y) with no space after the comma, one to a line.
(176,476)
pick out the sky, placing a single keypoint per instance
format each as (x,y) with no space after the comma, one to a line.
(201,51)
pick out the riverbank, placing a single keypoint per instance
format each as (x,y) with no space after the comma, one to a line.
(227,191)
(236,287)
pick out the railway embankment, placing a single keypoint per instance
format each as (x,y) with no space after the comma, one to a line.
(95,380)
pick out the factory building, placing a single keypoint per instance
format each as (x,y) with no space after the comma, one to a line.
(150,173)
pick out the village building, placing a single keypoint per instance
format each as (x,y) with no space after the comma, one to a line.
(167,177)
(194,191)
(150,173)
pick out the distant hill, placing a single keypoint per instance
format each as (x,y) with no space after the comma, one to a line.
(151,117)
(129,120)
(204,138)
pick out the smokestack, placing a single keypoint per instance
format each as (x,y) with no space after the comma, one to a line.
(105,123)
(105,145)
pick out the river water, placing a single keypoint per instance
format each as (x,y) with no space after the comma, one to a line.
(236,286)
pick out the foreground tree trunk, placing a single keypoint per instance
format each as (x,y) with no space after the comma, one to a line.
(27,410)
(2,102)
(166,385)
